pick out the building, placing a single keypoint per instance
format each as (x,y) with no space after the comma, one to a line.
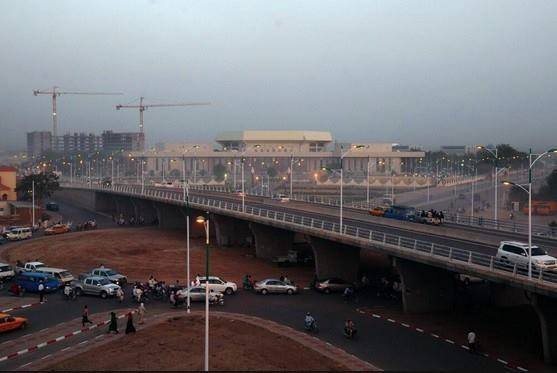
(455,149)
(79,143)
(123,141)
(38,142)
(7,189)
(303,152)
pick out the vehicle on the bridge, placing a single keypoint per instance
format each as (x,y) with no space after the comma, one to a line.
(29,282)
(6,272)
(9,322)
(513,252)
(111,275)
(240,193)
(377,211)
(52,206)
(197,294)
(219,285)
(401,213)
(332,285)
(28,267)
(17,234)
(293,257)
(62,275)
(57,229)
(467,279)
(281,197)
(275,286)
(95,285)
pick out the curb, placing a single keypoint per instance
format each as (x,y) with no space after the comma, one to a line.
(436,336)
(20,307)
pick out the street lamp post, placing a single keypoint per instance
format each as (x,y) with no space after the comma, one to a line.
(186,193)
(142,176)
(495,155)
(529,192)
(367,184)
(205,222)
(33,200)
(291,173)
(243,191)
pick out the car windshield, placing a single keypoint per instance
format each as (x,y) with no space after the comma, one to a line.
(536,251)
(65,274)
(111,273)
(105,281)
(4,268)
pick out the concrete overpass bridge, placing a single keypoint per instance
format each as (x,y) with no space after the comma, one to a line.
(427,268)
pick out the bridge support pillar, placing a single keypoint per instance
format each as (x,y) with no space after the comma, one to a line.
(230,231)
(146,210)
(104,203)
(334,259)
(170,216)
(270,241)
(546,308)
(425,288)
(124,206)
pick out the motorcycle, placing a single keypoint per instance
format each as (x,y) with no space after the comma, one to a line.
(350,334)
(311,326)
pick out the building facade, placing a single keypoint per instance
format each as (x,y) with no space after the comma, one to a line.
(38,142)
(79,143)
(299,152)
(7,189)
(123,141)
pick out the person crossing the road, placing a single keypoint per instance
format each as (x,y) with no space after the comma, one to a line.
(113,326)
(41,291)
(85,316)
(141,313)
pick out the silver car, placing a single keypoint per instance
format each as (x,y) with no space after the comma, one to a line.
(197,294)
(275,286)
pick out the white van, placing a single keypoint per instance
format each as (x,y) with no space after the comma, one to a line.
(17,234)
(6,272)
(62,275)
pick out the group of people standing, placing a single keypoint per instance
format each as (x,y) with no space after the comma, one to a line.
(113,323)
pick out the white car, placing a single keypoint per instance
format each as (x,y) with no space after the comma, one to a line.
(17,234)
(29,267)
(281,197)
(6,272)
(219,285)
(197,294)
(517,253)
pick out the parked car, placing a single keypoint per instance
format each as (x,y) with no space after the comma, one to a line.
(281,197)
(95,285)
(274,286)
(57,229)
(219,285)
(197,294)
(29,281)
(108,273)
(17,234)
(6,272)
(8,322)
(401,213)
(28,267)
(62,275)
(293,257)
(513,252)
(377,211)
(332,285)
(52,206)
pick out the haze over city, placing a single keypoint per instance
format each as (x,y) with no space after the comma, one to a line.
(423,73)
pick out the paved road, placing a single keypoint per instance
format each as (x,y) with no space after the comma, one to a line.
(384,344)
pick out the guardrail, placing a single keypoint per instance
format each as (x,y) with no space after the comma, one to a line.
(441,252)
(479,222)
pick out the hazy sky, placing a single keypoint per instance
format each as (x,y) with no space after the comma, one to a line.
(419,72)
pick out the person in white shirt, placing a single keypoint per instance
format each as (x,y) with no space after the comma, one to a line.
(472,342)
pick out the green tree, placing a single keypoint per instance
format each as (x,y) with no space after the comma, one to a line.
(218,172)
(45,185)
(549,190)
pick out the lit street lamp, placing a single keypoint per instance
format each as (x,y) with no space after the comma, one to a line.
(496,161)
(529,192)
(205,221)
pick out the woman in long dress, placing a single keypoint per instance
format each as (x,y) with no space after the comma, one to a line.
(113,326)
(129,326)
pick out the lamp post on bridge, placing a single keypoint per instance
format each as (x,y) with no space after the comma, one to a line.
(529,192)
(205,221)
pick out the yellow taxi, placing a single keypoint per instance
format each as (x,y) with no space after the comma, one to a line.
(8,322)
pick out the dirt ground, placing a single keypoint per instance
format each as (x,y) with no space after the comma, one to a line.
(177,344)
(139,252)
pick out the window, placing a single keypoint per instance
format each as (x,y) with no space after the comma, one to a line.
(513,249)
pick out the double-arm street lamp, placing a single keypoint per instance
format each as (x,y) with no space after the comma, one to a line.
(494,154)
(529,192)
(205,221)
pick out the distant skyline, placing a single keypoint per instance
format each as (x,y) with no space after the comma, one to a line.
(424,72)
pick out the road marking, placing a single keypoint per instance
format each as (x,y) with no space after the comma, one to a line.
(66,349)
(419,330)
(24,365)
(465,347)
(376,316)
(26,335)
(60,338)
(434,335)
(45,357)
(43,330)
(449,341)
(82,343)
(391,320)
(502,361)
(7,310)
(522,369)
(405,325)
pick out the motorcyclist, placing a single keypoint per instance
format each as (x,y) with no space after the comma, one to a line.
(348,292)
(309,321)
(68,291)
(349,328)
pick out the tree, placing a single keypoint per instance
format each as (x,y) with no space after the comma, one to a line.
(549,190)
(516,194)
(45,185)
(218,171)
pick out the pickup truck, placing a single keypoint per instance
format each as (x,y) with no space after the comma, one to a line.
(94,285)
(28,267)
(293,257)
(109,274)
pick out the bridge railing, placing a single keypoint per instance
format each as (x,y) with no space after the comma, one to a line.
(443,252)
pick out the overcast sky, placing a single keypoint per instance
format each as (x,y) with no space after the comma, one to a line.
(418,72)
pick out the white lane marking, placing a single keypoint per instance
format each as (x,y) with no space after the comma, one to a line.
(82,343)
(434,335)
(26,335)
(405,325)
(522,369)
(376,316)
(45,357)
(4,358)
(66,349)
(449,341)
(391,320)
(502,361)
(419,330)
(41,345)
(21,352)
(8,310)
(76,332)
(60,338)
(24,365)
(42,330)
(465,347)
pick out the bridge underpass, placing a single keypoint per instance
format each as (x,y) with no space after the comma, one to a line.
(425,274)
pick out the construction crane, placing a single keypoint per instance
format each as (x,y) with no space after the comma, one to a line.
(55,93)
(142,108)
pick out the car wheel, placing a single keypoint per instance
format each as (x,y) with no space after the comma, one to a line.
(289,291)
(229,291)
(327,291)
(103,295)
(78,291)
(264,292)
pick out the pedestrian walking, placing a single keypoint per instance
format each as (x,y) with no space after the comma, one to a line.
(129,325)
(85,316)
(141,313)
(120,294)
(113,326)
(41,291)
(173,299)
(472,342)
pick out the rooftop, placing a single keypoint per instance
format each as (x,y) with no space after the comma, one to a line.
(320,136)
